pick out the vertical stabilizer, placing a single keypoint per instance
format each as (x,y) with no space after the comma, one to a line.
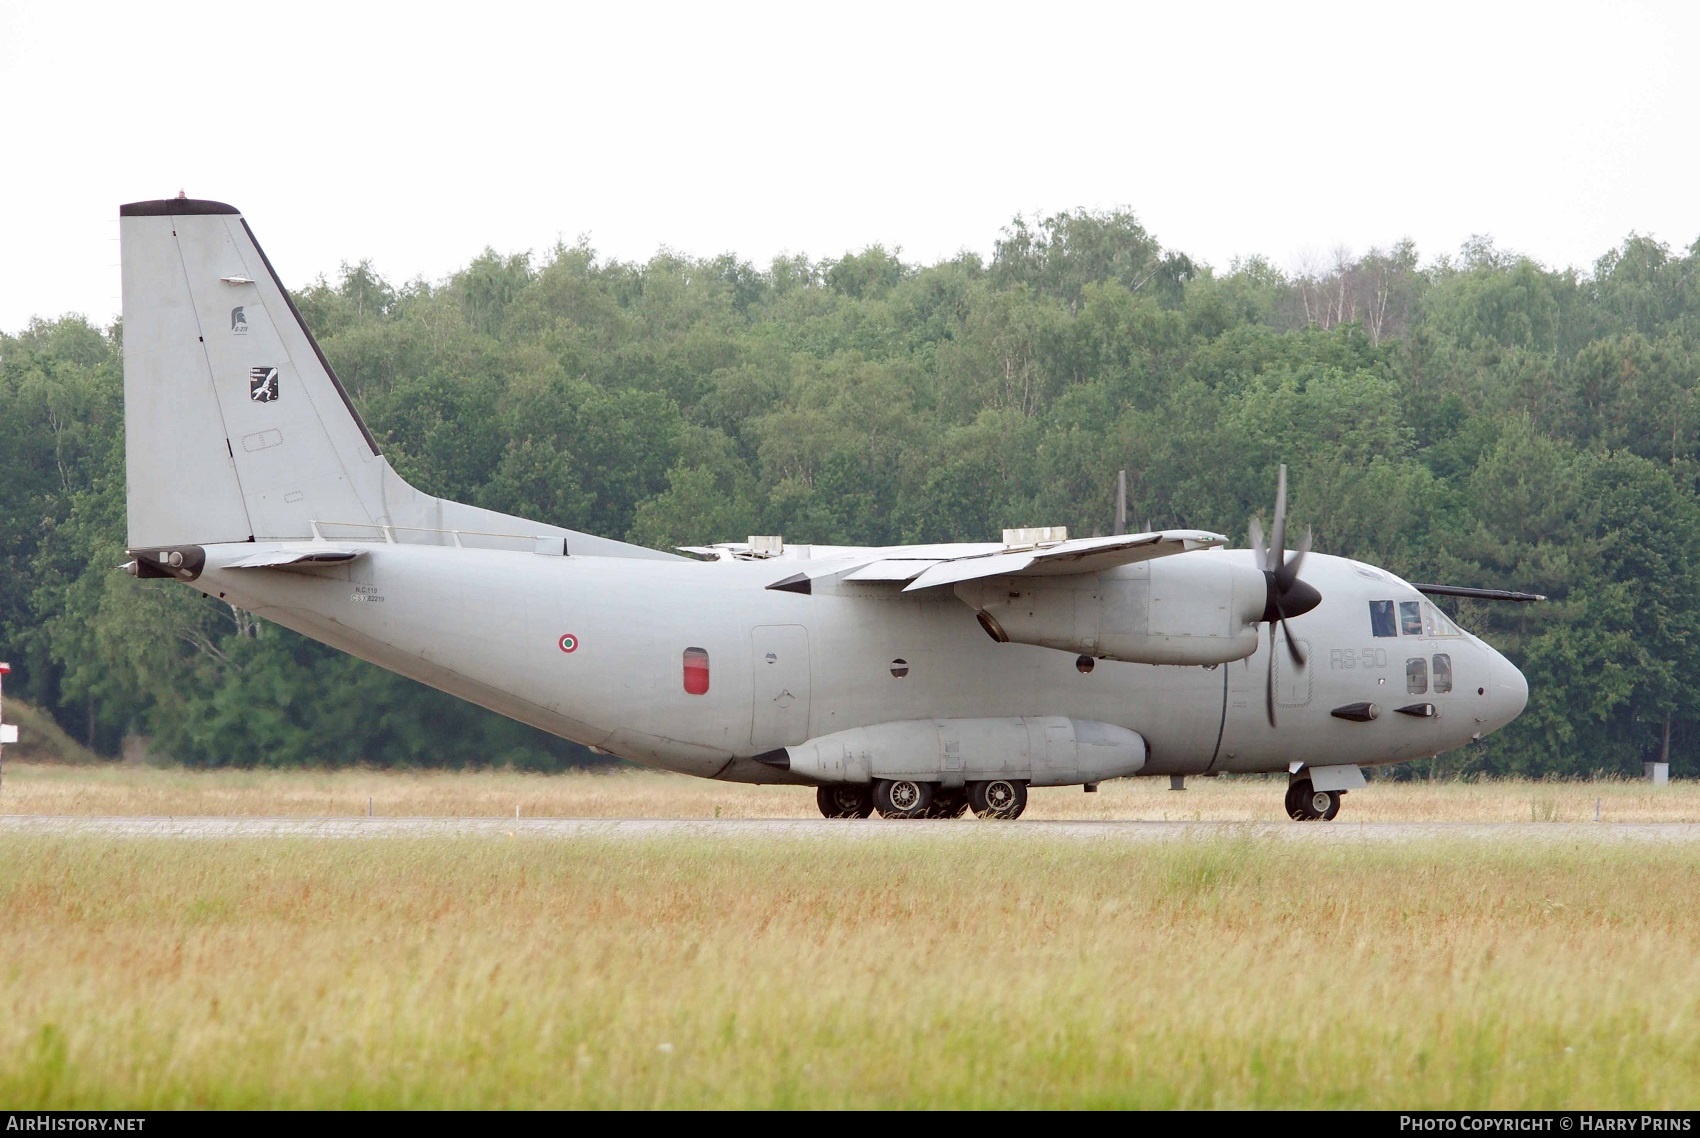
(236,428)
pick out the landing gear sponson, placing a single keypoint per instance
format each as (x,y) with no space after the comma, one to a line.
(900,768)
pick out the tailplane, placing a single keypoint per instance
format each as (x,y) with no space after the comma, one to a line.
(236,428)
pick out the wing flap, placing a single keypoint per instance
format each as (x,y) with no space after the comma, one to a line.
(892,570)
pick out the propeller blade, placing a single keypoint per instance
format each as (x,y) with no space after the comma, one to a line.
(1278,536)
(1269,693)
(1293,648)
(1289,570)
(1257,547)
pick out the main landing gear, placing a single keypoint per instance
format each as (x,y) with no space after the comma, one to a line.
(844,801)
(1305,803)
(912,798)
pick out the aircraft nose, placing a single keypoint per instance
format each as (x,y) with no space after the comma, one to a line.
(1509,693)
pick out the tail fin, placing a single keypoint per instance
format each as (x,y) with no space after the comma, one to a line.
(236,428)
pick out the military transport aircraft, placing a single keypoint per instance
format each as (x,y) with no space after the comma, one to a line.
(919,681)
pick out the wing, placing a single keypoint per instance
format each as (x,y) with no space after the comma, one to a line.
(929,567)
(1085,555)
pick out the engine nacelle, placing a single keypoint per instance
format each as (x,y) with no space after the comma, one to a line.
(1042,750)
(1192,608)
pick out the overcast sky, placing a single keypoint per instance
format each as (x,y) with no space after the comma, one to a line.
(417,134)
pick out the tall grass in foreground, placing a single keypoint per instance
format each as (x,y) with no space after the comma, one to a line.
(132,789)
(936,969)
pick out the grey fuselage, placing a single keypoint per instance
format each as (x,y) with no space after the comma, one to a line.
(593,649)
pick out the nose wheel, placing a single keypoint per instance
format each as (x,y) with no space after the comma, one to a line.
(1305,803)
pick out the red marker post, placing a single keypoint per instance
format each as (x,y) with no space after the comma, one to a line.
(8,731)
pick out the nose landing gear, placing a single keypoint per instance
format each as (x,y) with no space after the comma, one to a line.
(1305,803)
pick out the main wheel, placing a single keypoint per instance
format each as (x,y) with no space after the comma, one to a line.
(902,797)
(998,798)
(844,801)
(949,804)
(1305,803)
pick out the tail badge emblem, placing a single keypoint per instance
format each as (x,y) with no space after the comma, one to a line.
(262,384)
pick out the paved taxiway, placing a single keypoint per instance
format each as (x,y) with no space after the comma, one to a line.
(208,827)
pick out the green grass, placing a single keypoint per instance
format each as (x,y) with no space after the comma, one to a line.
(943,969)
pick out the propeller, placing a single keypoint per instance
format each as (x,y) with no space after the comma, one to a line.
(1287,595)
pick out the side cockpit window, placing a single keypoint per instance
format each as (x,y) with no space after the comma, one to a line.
(1437,623)
(1442,673)
(1411,618)
(1381,619)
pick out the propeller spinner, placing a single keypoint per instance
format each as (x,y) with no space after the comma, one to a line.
(1288,596)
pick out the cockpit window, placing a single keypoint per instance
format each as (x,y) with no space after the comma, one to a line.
(1411,618)
(1442,673)
(1437,623)
(1381,619)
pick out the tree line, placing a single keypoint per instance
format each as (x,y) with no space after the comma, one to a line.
(1481,419)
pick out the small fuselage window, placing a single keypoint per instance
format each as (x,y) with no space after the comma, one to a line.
(1381,619)
(1442,673)
(1416,676)
(696,671)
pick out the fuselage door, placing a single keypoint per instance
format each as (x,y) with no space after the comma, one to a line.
(779,662)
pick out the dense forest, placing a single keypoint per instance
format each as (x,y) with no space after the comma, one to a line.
(1481,420)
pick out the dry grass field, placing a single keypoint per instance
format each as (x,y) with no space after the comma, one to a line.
(945,967)
(934,971)
(133,789)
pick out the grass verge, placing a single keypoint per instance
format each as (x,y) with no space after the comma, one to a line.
(935,970)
